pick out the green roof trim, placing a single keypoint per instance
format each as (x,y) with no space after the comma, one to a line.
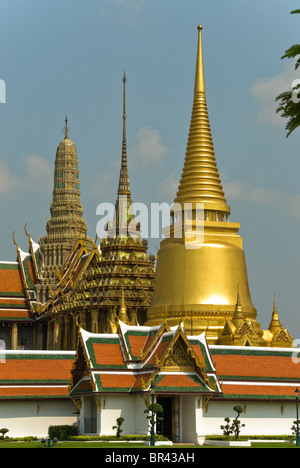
(35,356)
(90,348)
(9,266)
(247,351)
(259,397)
(35,397)
(109,389)
(11,294)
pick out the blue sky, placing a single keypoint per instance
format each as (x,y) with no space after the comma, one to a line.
(68,57)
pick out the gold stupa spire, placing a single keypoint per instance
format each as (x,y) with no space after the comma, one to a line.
(199,77)
(200,264)
(200,181)
(275,323)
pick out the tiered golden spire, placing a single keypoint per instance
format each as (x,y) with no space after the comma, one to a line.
(199,267)
(275,323)
(200,181)
(123,207)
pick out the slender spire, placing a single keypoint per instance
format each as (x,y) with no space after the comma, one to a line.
(200,181)
(66,129)
(275,323)
(122,310)
(124,150)
(238,315)
(124,186)
(123,207)
(199,78)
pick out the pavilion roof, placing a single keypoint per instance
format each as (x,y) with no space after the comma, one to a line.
(35,374)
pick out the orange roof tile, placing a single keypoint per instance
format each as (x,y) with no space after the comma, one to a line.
(266,390)
(117,380)
(13,313)
(108,354)
(256,366)
(178,380)
(10,280)
(137,343)
(35,368)
(33,391)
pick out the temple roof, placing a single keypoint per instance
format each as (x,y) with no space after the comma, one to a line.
(34,374)
(249,373)
(17,281)
(137,358)
(115,364)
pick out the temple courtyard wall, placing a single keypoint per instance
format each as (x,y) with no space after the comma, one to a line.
(194,423)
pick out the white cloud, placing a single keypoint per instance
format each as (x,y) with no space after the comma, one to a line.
(38,174)
(36,177)
(8,181)
(168,188)
(149,149)
(132,6)
(147,153)
(265,90)
(286,202)
(105,184)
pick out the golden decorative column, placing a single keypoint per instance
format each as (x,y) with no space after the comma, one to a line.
(95,316)
(56,333)
(14,336)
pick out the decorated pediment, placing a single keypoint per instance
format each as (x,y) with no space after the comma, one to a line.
(177,358)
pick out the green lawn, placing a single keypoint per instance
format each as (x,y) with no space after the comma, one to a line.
(66,444)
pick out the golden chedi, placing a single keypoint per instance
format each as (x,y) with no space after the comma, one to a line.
(201,264)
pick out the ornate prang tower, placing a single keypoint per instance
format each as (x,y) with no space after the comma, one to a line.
(66,222)
(199,278)
(127,271)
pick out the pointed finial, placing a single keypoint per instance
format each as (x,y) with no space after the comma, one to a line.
(238,313)
(199,79)
(14,240)
(124,178)
(275,312)
(275,323)
(66,130)
(122,310)
(26,232)
(124,107)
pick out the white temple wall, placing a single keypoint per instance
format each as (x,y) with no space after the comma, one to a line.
(129,407)
(188,418)
(33,418)
(260,418)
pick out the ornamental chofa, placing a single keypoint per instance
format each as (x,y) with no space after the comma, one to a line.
(162,220)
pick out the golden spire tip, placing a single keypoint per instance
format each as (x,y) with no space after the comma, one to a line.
(199,78)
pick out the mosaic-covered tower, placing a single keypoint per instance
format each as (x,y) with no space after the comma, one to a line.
(66,222)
